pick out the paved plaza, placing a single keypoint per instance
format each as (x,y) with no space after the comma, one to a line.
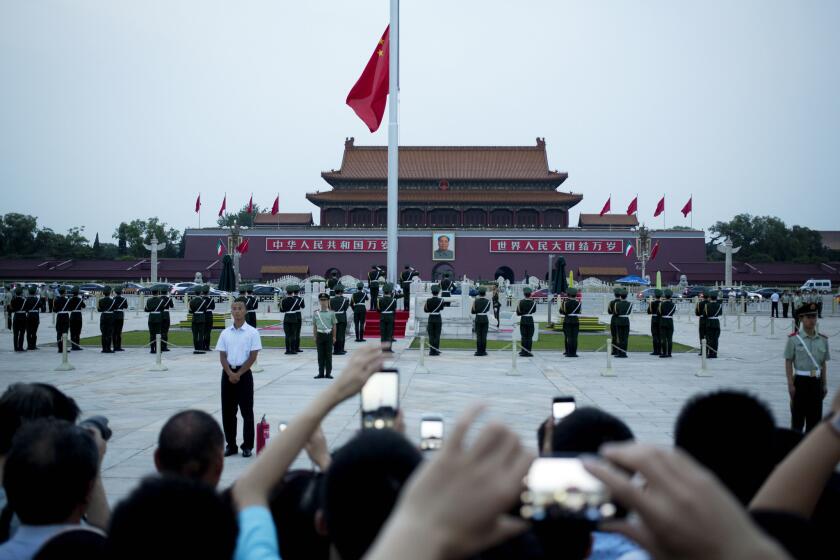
(647,392)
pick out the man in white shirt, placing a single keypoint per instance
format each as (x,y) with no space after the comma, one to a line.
(238,346)
(774,304)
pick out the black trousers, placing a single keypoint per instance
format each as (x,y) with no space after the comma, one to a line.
(433,330)
(106,331)
(154,330)
(374,295)
(359,323)
(482,325)
(62,326)
(702,328)
(119,320)
(75,329)
(785,309)
(164,330)
(571,327)
(622,333)
(386,328)
(33,320)
(208,328)
(198,334)
(289,332)
(774,309)
(323,344)
(806,406)
(406,297)
(496,309)
(712,338)
(251,318)
(238,395)
(614,336)
(526,332)
(18,330)
(666,336)
(655,330)
(340,335)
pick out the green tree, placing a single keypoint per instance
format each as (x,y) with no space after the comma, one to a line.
(97,248)
(766,238)
(17,234)
(243,218)
(140,232)
(122,238)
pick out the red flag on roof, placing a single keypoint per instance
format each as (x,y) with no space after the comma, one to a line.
(224,206)
(369,94)
(606,207)
(198,203)
(634,206)
(275,208)
(686,210)
(654,251)
(660,207)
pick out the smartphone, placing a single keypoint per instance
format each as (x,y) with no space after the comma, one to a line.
(431,432)
(380,399)
(283,425)
(562,407)
(561,486)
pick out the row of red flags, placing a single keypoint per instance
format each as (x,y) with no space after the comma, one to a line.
(633,207)
(275,208)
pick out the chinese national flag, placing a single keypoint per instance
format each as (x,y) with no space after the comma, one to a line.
(654,251)
(634,206)
(275,208)
(368,96)
(242,248)
(606,207)
(198,203)
(660,207)
(251,205)
(224,206)
(686,210)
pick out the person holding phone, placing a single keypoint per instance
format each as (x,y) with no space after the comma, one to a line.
(323,329)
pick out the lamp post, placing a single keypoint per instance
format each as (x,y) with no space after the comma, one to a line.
(233,243)
(643,249)
(154,247)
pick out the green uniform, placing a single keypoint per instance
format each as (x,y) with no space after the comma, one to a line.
(120,305)
(653,311)
(153,308)
(526,310)
(405,283)
(339,305)
(481,308)
(613,323)
(165,322)
(570,307)
(18,321)
(209,306)
(357,301)
(622,310)
(446,287)
(33,306)
(62,318)
(373,283)
(797,303)
(77,303)
(712,311)
(808,380)
(665,312)
(251,306)
(699,311)
(387,306)
(434,305)
(197,305)
(786,299)
(106,323)
(323,322)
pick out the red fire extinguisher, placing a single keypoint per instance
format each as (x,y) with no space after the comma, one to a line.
(263,434)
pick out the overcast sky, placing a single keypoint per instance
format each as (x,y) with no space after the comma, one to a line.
(113,109)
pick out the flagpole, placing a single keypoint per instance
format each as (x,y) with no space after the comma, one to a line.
(663,212)
(278,209)
(199,210)
(691,198)
(393,137)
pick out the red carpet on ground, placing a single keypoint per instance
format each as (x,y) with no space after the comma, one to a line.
(372,324)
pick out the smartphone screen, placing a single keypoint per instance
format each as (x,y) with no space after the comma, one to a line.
(431,429)
(562,483)
(562,407)
(380,399)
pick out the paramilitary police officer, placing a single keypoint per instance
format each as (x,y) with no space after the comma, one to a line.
(289,317)
(299,305)
(526,309)
(433,307)
(359,311)
(197,305)
(665,311)
(387,305)
(712,312)
(699,311)
(208,315)
(153,308)
(405,282)
(339,305)
(653,311)
(614,319)
(165,320)
(332,282)
(481,309)
(570,308)
(446,285)
(252,303)
(77,303)
(323,329)
(62,316)
(120,304)
(18,319)
(373,283)
(623,309)
(786,299)
(797,303)
(33,305)
(105,306)
(806,357)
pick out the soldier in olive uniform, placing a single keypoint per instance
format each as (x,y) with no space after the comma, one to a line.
(665,311)
(525,310)
(153,308)
(165,321)
(18,319)
(786,299)
(339,305)
(405,282)
(33,305)
(446,285)
(653,311)
(332,281)
(702,322)
(77,303)
(712,312)
(433,307)
(570,308)
(497,305)
(373,283)
(614,319)
(120,305)
(62,316)
(387,305)
(251,305)
(481,308)
(208,316)
(323,329)
(357,300)
(299,304)
(806,357)
(797,303)
(290,317)
(623,309)
(105,306)
(197,305)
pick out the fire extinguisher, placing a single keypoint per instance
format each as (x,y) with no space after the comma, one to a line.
(263,434)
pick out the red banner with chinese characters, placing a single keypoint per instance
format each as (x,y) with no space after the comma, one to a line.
(557,246)
(326,244)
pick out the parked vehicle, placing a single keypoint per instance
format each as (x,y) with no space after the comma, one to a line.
(765,293)
(263,290)
(693,291)
(160,286)
(822,286)
(217,295)
(131,287)
(180,288)
(92,287)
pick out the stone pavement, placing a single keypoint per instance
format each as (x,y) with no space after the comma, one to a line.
(647,392)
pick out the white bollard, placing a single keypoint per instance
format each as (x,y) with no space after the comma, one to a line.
(138,306)
(53,317)
(158,357)
(772,327)
(421,365)
(609,371)
(65,359)
(738,323)
(754,333)
(94,306)
(704,370)
(513,369)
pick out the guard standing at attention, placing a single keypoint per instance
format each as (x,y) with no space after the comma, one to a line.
(290,316)
(614,319)
(373,283)
(623,309)
(299,305)
(105,306)
(387,305)
(332,282)
(700,311)
(120,304)
(653,311)
(251,305)
(446,285)
(806,357)
(323,329)
(433,307)
(77,303)
(481,309)
(405,283)
(208,316)
(197,305)
(339,305)
(34,305)
(570,308)
(359,311)
(165,320)
(665,311)
(712,311)
(62,316)
(497,306)
(18,319)
(526,309)
(153,308)
(785,303)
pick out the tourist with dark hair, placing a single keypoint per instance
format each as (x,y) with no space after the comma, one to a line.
(294,504)
(191,444)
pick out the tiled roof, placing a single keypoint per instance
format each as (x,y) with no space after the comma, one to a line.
(448,163)
(608,220)
(284,218)
(380,196)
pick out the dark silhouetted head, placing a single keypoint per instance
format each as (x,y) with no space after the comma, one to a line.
(191,444)
(28,401)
